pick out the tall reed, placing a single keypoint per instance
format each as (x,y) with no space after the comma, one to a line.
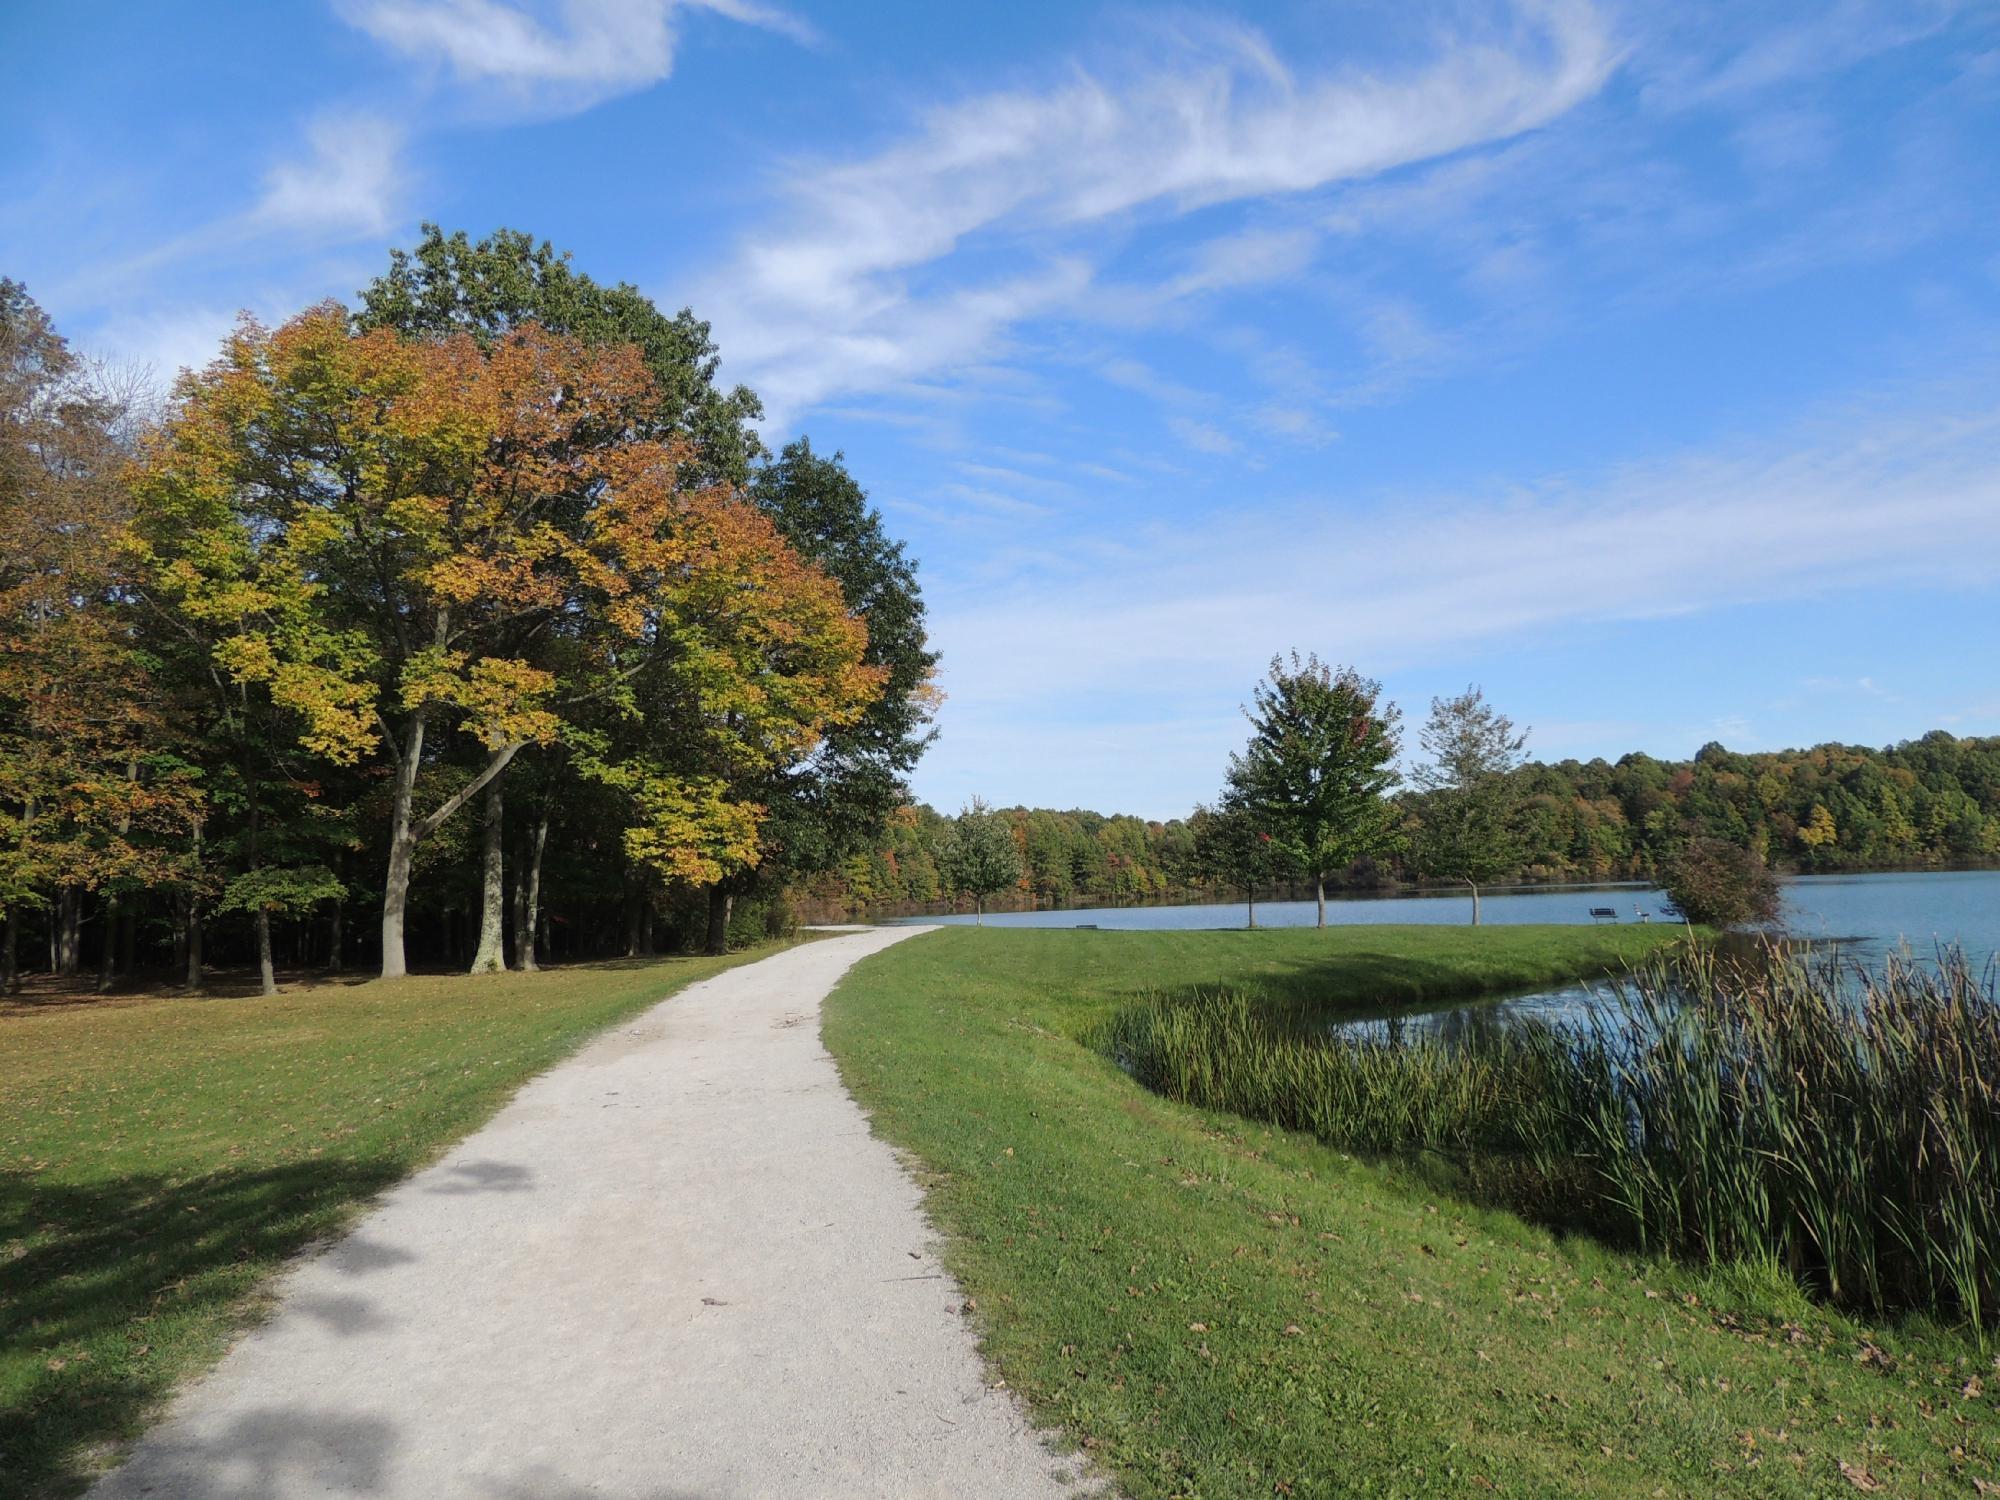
(1845,1124)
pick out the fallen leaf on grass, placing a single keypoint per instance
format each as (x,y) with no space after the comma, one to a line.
(1861,1479)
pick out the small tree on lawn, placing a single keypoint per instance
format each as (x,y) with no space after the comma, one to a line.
(1319,765)
(1465,827)
(1232,850)
(978,856)
(1719,884)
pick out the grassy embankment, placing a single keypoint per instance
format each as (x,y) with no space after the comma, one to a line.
(1220,1308)
(161,1158)
(1775,1107)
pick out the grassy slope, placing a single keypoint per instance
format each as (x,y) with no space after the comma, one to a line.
(1216,1308)
(159,1160)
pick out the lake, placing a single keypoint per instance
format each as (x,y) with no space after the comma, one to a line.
(1869,916)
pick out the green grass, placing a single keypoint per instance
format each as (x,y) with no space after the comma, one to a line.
(161,1158)
(1218,1308)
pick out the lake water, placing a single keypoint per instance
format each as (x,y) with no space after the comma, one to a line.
(1869,916)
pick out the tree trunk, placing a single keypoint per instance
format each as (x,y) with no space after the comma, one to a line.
(405,833)
(492,955)
(1475,901)
(402,846)
(192,953)
(631,922)
(194,945)
(529,926)
(69,932)
(10,953)
(517,908)
(112,908)
(336,935)
(1319,894)
(107,958)
(180,955)
(128,937)
(1250,898)
(978,909)
(721,901)
(267,976)
(531,917)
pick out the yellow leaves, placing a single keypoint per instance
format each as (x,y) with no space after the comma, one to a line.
(690,829)
(248,658)
(505,700)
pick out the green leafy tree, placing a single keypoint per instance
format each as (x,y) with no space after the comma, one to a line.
(1233,850)
(977,856)
(1468,795)
(1319,766)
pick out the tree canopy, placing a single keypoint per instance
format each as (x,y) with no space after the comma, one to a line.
(1466,799)
(496,528)
(1319,766)
(977,854)
(452,284)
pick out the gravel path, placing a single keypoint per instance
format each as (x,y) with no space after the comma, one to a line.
(676,1267)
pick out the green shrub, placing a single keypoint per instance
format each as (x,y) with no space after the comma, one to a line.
(1718,884)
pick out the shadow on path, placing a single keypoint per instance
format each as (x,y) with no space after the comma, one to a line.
(102,1285)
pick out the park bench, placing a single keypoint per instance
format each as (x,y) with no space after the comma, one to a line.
(1604,913)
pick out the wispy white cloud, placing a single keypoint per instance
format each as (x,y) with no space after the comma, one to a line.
(562,57)
(162,342)
(851,289)
(1704,57)
(1203,437)
(1908,497)
(348,182)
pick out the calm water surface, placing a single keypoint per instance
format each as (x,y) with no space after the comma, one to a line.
(1869,916)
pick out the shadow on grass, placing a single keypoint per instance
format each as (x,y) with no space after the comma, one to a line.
(109,1291)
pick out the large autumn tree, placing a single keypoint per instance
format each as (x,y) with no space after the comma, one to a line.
(405,539)
(820,804)
(764,660)
(828,803)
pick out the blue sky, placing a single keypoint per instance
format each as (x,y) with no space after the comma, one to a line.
(1636,362)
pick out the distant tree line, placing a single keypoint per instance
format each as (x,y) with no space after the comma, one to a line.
(1474,812)
(471,625)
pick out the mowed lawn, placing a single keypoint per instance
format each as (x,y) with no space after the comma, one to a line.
(161,1158)
(1216,1308)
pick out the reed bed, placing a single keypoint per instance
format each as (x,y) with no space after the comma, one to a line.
(1842,1124)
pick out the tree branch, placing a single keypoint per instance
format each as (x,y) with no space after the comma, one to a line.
(494,766)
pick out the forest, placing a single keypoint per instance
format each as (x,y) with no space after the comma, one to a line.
(1926,803)
(470,626)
